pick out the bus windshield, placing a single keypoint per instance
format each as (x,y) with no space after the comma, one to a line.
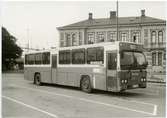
(132,59)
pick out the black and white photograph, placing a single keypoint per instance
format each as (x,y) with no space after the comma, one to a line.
(83,59)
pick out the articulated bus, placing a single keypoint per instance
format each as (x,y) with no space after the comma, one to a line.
(110,66)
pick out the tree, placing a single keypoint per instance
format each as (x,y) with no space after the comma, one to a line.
(10,50)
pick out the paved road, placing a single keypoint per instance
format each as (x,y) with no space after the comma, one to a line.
(22,99)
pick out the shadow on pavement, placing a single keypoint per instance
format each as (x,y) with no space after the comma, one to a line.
(96,92)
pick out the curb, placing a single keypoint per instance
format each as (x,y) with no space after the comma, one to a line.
(152,81)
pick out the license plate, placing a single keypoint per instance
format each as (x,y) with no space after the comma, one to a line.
(135,86)
(135,74)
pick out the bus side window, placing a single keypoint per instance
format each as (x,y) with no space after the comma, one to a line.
(68,57)
(38,58)
(64,57)
(61,54)
(95,55)
(112,61)
(46,58)
(91,55)
(78,56)
(26,59)
(100,54)
(31,59)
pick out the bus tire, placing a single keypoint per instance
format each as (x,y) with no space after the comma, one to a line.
(37,79)
(85,84)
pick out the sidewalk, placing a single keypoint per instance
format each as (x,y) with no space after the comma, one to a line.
(156,80)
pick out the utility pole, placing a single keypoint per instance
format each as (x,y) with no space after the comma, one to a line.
(117,22)
(28,46)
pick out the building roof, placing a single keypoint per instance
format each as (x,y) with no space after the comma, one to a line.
(112,21)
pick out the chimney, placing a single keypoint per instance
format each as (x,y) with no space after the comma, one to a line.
(112,14)
(143,12)
(90,16)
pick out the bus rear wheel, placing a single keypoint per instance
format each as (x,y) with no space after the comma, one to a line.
(86,84)
(37,79)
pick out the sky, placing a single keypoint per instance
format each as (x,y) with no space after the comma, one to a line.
(38,21)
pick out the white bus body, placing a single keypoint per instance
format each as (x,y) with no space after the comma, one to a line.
(97,66)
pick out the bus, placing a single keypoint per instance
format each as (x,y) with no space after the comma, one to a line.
(109,66)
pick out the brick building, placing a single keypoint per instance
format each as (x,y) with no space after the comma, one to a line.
(149,31)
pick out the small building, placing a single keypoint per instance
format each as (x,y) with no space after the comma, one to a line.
(149,31)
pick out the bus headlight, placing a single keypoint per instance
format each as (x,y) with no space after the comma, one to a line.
(124,81)
(143,79)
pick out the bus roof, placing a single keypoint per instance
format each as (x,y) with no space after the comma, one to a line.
(102,44)
(40,51)
(96,45)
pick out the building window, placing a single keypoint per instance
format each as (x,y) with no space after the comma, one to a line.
(145,42)
(153,37)
(100,37)
(61,36)
(123,36)
(68,40)
(145,32)
(159,58)
(61,43)
(111,36)
(136,37)
(80,38)
(154,58)
(160,37)
(164,56)
(74,40)
(91,39)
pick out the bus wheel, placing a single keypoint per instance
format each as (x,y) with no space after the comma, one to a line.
(37,79)
(86,84)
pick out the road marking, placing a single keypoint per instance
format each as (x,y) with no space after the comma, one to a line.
(29,106)
(140,102)
(87,100)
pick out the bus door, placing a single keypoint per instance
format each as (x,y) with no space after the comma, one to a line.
(111,67)
(54,68)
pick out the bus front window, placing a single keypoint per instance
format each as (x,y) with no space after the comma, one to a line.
(140,58)
(127,58)
(132,59)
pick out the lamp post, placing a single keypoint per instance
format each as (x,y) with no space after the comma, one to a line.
(117,21)
(28,46)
